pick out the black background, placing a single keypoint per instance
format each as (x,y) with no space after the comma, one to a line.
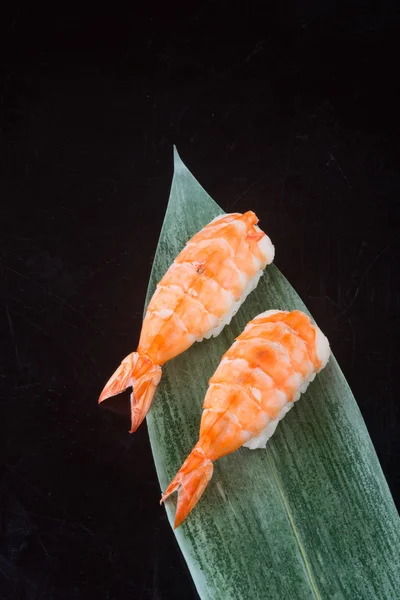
(290,111)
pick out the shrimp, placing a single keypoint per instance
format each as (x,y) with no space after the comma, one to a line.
(198,295)
(256,383)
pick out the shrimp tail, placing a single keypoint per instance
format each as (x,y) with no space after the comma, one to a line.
(140,373)
(190,482)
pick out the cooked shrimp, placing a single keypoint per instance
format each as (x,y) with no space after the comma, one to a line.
(198,295)
(256,383)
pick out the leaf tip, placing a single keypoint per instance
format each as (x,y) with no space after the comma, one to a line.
(178,162)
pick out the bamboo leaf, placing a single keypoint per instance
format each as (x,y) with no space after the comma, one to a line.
(310,517)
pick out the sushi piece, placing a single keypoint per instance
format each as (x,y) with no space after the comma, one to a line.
(256,383)
(198,295)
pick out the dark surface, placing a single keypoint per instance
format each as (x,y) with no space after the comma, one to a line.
(296,119)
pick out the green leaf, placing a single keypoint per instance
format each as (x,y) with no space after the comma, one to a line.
(310,517)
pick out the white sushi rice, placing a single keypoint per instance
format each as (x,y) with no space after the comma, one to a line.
(252,284)
(268,252)
(322,346)
(266,246)
(261,440)
(323,352)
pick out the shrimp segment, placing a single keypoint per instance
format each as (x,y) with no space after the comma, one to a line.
(259,378)
(196,298)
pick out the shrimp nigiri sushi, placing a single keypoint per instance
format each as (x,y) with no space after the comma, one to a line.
(198,295)
(256,383)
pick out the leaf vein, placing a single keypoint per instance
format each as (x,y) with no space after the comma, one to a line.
(294,528)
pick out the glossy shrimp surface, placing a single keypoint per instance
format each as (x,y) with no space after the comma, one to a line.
(258,380)
(205,285)
(196,298)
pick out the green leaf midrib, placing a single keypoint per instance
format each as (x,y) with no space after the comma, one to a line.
(296,534)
